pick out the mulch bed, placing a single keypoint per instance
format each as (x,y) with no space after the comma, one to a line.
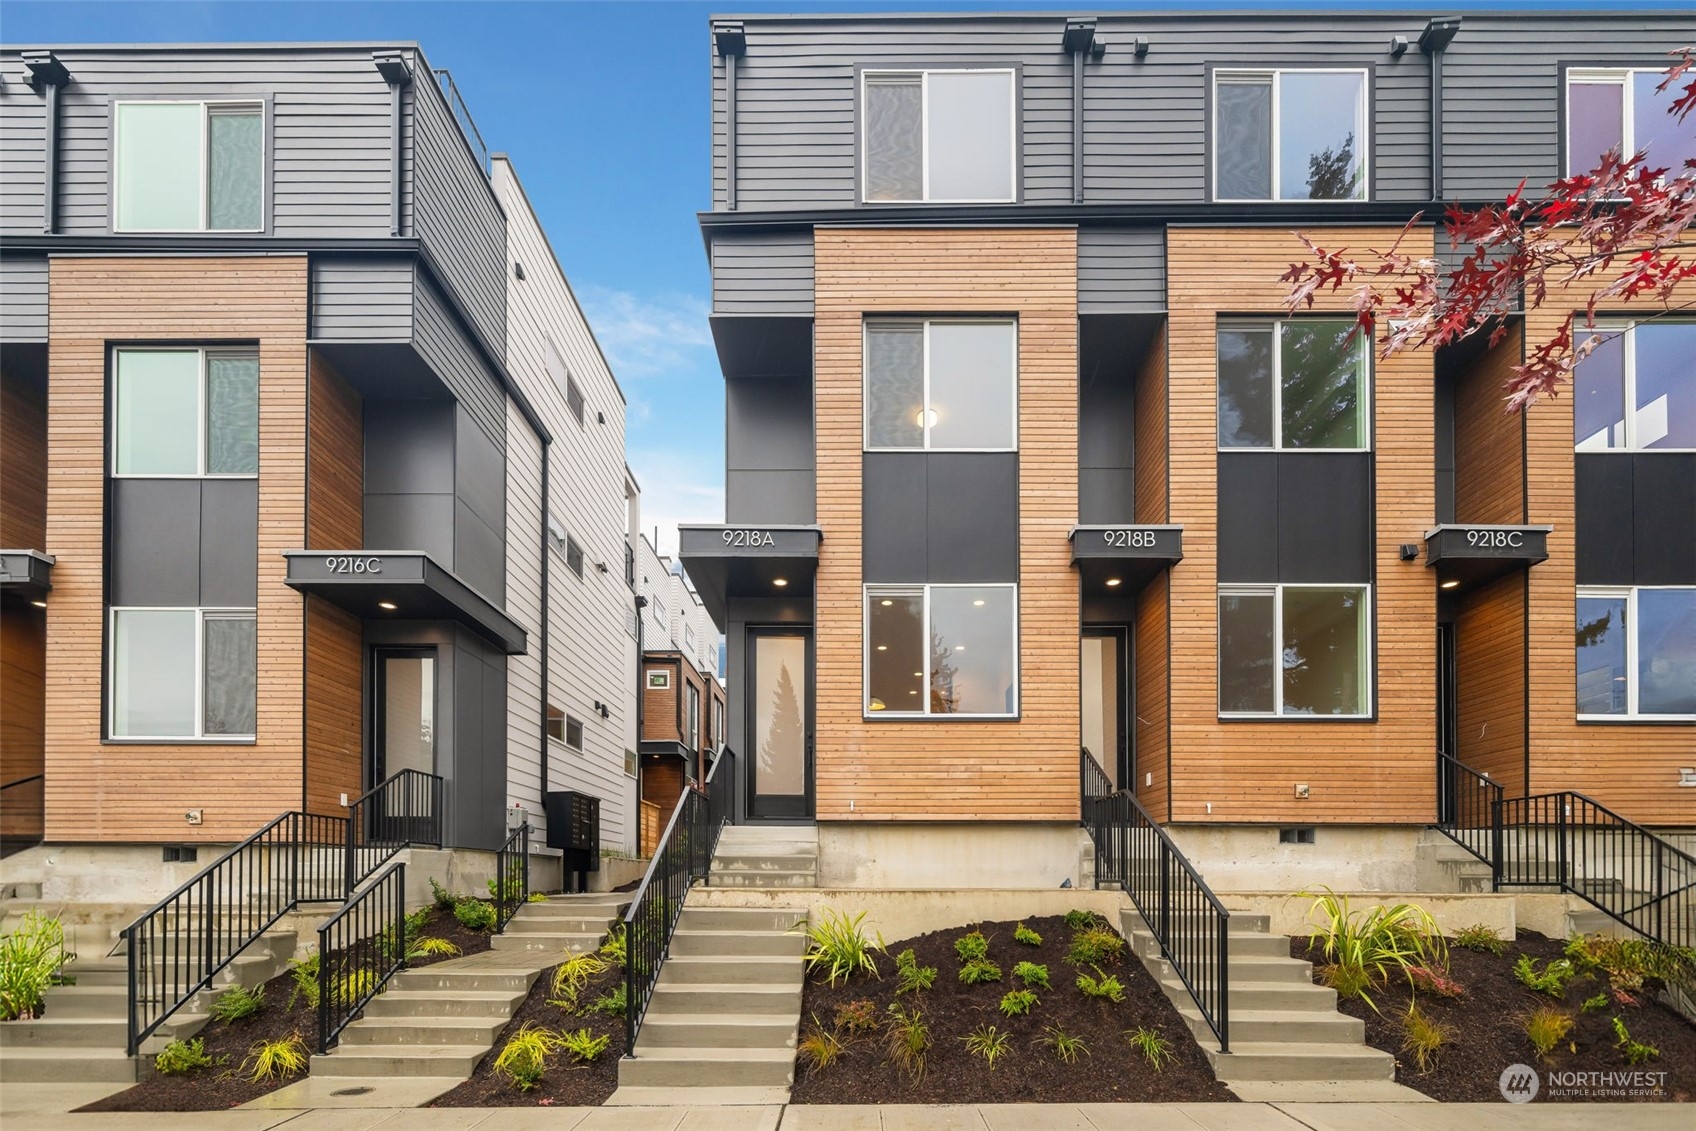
(1488,1029)
(565,1082)
(442,925)
(1029,1072)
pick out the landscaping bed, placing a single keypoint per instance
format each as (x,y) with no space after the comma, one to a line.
(441,924)
(1487,1026)
(1107,1069)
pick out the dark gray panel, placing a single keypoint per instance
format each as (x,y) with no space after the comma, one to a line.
(155,542)
(479,556)
(1106,495)
(23,289)
(763,273)
(894,536)
(361,300)
(1604,531)
(1248,517)
(469,825)
(411,522)
(1121,270)
(480,474)
(409,448)
(768,424)
(770,497)
(1106,418)
(972,527)
(1324,516)
(1664,506)
(229,543)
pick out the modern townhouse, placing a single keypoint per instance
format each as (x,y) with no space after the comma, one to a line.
(313,471)
(1026,453)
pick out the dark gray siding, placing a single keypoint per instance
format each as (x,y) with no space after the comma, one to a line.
(441,341)
(361,300)
(23,117)
(769,450)
(479,525)
(1121,270)
(23,298)
(763,272)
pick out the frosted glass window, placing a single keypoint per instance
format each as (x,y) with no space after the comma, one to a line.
(1290,135)
(969,130)
(895,384)
(153,673)
(1299,384)
(232,675)
(972,376)
(941,650)
(894,107)
(1244,139)
(236,153)
(158,412)
(1294,650)
(780,715)
(159,166)
(232,411)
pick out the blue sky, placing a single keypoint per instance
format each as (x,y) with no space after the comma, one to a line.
(604,110)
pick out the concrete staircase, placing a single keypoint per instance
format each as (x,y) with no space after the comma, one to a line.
(725,1011)
(564,922)
(767,856)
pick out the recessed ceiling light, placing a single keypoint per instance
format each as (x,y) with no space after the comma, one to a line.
(918,675)
(780,582)
(978,602)
(883,647)
(389,605)
(1112,582)
(1450,585)
(925,418)
(39,604)
(912,693)
(959,647)
(886,603)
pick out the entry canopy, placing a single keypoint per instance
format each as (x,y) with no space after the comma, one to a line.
(1120,560)
(28,573)
(1466,556)
(749,561)
(400,585)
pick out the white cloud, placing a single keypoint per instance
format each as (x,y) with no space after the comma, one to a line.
(676,489)
(666,334)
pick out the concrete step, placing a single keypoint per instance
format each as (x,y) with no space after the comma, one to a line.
(432,1031)
(545,925)
(1291,997)
(87,1001)
(762,861)
(699,997)
(464,1003)
(66,1033)
(767,878)
(708,1068)
(717,1030)
(457,981)
(691,943)
(32,1064)
(399,1060)
(1262,1025)
(557,943)
(1252,1060)
(721,969)
(739,918)
(1240,945)
(563,920)
(1237,923)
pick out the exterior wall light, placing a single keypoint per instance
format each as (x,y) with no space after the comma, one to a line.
(387,606)
(1113,582)
(1449,585)
(780,582)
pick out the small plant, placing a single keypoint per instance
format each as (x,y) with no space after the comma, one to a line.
(857,1017)
(238,1002)
(275,1060)
(615,949)
(444,899)
(1423,1037)
(431,947)
(583,1045)
(1077,920)
(1155,1049)
(1435,981)
(1093,946)
(1485,940)
(1636,1052)
(839,946)
(1023,934)
(1032,974)
(1365,947)
(524,1057)
(820,1048)
(987,1042)
(980,970)
(614,1003)
(536,897)
(1547,1027)
(354,986)
(571,977)
(182,1057)
(1551,980)
(906,1038)
(475,914)
(1065,1045)
(30,960)
(304,972)
(1017,1003)
(510,892)
(1596,1004)
(1348,981)
(1102,985)
(910,977)
(1629,962)
(971,947)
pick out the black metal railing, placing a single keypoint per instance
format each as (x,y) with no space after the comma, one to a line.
(512,876)
(1467,807)
(1573,842)
(177,947)
(402,811)
(684,855)
(1186,918)
(360,948)
(23,813)
(1092,779)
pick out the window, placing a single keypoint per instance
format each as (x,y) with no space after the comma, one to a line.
(629,762)
(190,167)
(574,398)
(941,385)
(659,679)
(1635,391)
(1294,650)
(574,733)
(938,136)
(183,413)
(689,639)
(1297,384)
(573,556)
(184,673)
(942,650)
(556,723)
(1622,110)
(692,716)
(1636,653)
(1289,135)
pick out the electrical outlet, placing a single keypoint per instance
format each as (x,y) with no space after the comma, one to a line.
(1301,791)
(195,816)
(1147,780)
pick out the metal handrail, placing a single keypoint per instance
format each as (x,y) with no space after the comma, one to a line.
(1188,921)
(360,948)
(685,854)
(512,875)
(1468,803)
(403,810)
(22,813)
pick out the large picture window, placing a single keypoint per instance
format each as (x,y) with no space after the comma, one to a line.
(1296,384)
(1294,650)
(938,136)
(942,650)
(1289,135)
(189,167)
(1636,391)
(1636,648)
(184,673)
(185,413)
(941,384)
(1620,109)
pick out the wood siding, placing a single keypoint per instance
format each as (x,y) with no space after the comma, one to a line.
(1003,770)
(1151,718)
(23,644)
(1369,771)
(660,710)
(139,791)
(1490,681)
(23,464)
(1489,441)
(335,518)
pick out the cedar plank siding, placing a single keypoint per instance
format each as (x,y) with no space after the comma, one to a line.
(1150,637)
(1376,771)
(660,710)
(23,464)
(139,791)
(23,640)
(1490,682)
(1489,441)
(1003,770)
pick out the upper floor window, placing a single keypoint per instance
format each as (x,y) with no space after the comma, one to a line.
(1636,650)
(1289,135)
(1635,391)
(184,673)
(938,136)
(573,556)
(692,717)
(942,650)
(180,413)
(941,384)
(1621,109)
(1293,384)
(1294,650)
(189,167)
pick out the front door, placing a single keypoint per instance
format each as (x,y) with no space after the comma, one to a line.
(1103,676)
(403,712)
(780,724)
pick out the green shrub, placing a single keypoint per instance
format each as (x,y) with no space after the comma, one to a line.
(910,977)
(614,1003)
(524,1057)
(584,1045)
(444,899)
(431,947)
(1365,947)
(1478,937)
(1032,974)
(1551,980)
(1636,1052)
(1065,1045)
(1595,1004)
(615,949)
(30,960)
(1155,1049)
(1102,985)
(987,1042)
(536,897)
(571,977)
(1093,946)
(1627,963)
(1017,1003)
(1348,981)
(304,972)
(971,947)
(182,1057)
(980,970)
(354,987)
(1023,934)
(906,1040)
(1077,920)
(238,1002)
(1547,1027)
(274,1060)
(839,946)
(475,914)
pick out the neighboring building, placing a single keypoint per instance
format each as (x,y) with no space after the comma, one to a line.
(283,434)
(1025,452)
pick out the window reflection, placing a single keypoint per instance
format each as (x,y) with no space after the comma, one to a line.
(1601,656)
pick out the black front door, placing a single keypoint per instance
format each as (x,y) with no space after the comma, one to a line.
(1104,679)
(780,724)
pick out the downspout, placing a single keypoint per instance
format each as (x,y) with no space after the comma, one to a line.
(48,74)
(394,70)
(641,604)
(547,600)
(731,43)
(1077,127)
(1433,41)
